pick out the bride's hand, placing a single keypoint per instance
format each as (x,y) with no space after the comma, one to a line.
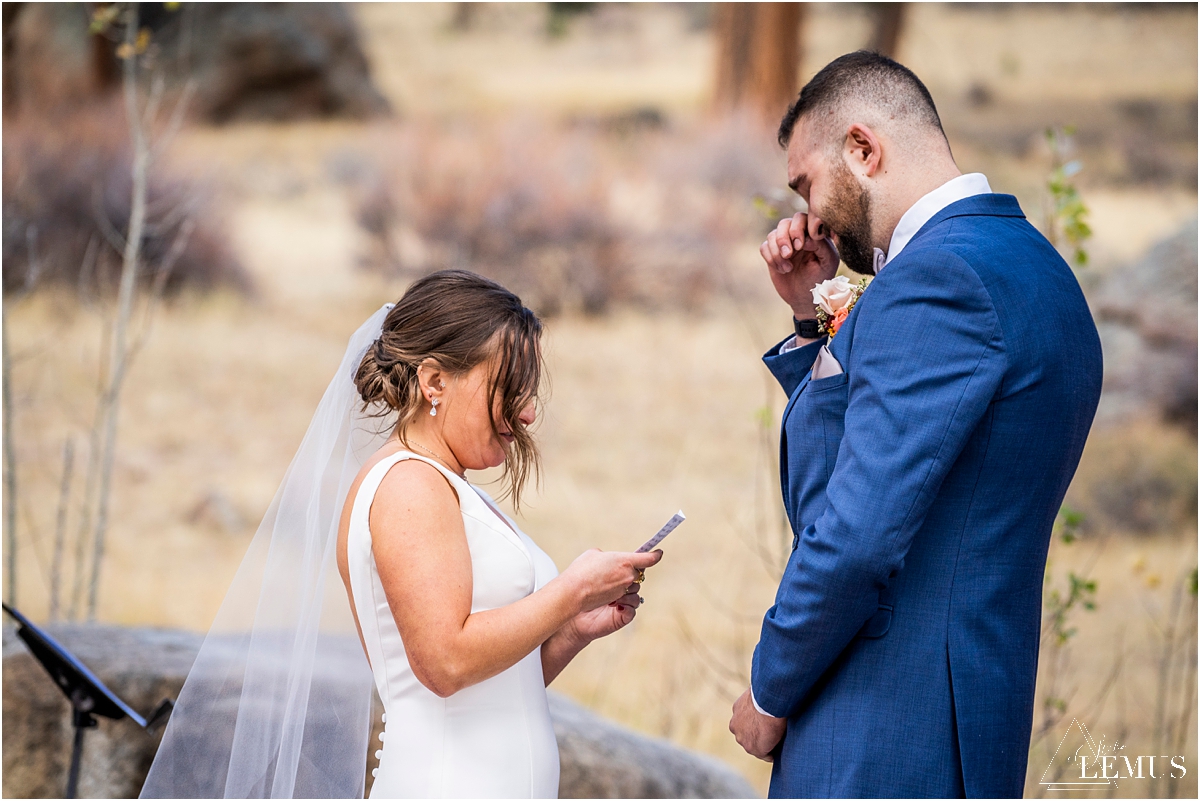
(601,577)
(604,620)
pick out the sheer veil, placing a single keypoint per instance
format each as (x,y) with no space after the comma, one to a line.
(278,701)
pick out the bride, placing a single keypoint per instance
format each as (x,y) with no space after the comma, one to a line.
(462,618)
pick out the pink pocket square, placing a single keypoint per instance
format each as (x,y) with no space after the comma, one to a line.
(825,366)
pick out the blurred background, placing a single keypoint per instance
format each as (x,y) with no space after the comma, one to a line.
(199,208)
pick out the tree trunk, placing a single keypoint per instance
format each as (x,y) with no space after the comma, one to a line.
(10,13)
(758,56)
(887,26)
(464,16)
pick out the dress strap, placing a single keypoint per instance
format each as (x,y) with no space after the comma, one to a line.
(457,482)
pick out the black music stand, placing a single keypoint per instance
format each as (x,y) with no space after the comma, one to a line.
(87,694)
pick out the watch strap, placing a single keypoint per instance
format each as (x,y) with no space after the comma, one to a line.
(807,329)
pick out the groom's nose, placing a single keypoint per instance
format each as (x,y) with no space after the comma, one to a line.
(817,229)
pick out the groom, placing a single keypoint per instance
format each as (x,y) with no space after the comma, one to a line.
(925,450)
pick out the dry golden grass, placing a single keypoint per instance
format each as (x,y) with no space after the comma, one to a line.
(648,413)
(222,394)
(1111,672)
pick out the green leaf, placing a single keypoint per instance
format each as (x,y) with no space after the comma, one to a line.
(764,417)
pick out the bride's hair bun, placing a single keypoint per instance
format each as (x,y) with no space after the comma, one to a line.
(457,319)
(383,380)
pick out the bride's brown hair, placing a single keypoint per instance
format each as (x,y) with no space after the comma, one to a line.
(459,320)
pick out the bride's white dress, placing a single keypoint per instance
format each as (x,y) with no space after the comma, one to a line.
(493,739)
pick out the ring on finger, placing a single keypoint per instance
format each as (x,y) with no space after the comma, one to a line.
(641,576)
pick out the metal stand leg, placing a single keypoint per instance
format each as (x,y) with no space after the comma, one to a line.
(82,721)
(76,753)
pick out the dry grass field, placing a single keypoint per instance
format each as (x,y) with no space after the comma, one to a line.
(651,409)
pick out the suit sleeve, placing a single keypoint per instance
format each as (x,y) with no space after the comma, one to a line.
(789,367)
(927,359)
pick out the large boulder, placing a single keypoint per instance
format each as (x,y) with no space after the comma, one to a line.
(267,61)
(600,759)
(281,61)
(1146,314)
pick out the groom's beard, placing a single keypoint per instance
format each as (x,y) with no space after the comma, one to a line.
(848,215)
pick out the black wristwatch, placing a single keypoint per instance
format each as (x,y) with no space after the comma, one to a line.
(807,329)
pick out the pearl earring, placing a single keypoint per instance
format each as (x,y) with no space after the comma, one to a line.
(433,411)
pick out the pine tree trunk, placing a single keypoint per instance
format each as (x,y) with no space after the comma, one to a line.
(758,56)
(10,13)
(887,27)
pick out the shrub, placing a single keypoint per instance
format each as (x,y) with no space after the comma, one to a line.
(1139,478)
(66,206)
(571,217)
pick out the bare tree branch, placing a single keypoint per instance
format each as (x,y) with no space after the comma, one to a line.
(178,114)
(88,267)
(163,274)
(118,347)
(105,225)
(10,468)
(60,529)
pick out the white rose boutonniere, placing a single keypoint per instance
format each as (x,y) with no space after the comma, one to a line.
(834,299)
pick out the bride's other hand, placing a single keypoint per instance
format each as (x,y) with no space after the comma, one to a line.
(584,628)
(604,620)
(606,582)
(602,577)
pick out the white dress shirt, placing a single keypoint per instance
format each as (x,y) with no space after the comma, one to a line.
(921,212)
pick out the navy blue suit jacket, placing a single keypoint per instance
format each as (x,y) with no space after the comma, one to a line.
(922,484)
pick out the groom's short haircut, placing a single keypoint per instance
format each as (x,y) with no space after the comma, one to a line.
(864,78)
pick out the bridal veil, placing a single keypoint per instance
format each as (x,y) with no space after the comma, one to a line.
(278,701)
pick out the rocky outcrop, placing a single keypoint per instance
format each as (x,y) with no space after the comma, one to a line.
(1146,314)
(603,760)
(600,759)
(281,61)
(266,61)
(142,666)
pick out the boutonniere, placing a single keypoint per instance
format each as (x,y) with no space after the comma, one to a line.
(835,298)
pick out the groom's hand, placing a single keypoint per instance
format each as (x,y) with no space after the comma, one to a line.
(799,255)
(754,731)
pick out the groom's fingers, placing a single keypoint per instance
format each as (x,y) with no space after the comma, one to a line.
(783,238)
(797,231)
(751,730)
(771,256)
(775,255)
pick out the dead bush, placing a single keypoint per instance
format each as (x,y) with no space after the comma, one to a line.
(572,217)
(66,206)
(1138,478)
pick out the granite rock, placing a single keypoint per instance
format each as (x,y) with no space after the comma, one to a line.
(600,759)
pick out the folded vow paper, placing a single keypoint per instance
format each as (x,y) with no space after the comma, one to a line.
(671,525)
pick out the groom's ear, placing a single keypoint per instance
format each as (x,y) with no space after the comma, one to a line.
(863,150)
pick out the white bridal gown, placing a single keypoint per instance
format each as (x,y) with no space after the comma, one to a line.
(493,739)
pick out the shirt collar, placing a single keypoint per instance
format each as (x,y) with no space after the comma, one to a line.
(921,212)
